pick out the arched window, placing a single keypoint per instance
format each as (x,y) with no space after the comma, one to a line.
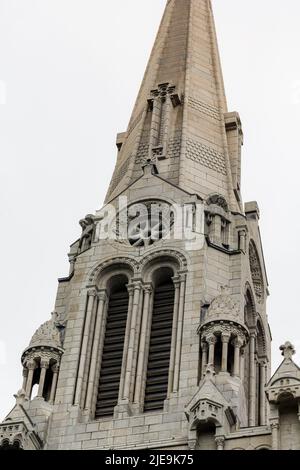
(160,340)
(112,354)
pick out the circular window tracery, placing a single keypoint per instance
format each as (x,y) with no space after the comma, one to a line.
(147,222)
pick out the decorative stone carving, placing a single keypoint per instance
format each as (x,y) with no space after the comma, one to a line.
(220,442)
(45,345)
(47,335)
(154,225)
(288,350)
(127,261)
(179,257)
(206,156)
(256,272)
(223,307)
(88,226)
(218,200)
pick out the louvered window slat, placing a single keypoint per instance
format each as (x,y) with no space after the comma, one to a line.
(112,355)
(160,348)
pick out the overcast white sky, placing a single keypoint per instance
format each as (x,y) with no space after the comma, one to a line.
(69,74)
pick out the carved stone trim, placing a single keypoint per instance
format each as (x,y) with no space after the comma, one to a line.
(256,272)
(181,259)
(111,262)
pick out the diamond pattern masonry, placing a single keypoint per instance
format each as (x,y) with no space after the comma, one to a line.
(204,108)
(206,156)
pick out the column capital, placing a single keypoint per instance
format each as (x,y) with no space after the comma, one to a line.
(220,441)
(136,284)
(25,372)
(204,346)
(274,426)
(253,332)
(45,364)
(31,365)
(130,289)
(102,295)
(182,277)
(55,368)
(92,292)
(148,288)
(263,362)
(176,281)
(225,337)
(242,351)
(237,342)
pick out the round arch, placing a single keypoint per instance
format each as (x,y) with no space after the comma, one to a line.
(250,306)
(113,265)
(167,258)
(261,339)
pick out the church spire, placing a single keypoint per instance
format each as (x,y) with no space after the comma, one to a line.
(180,119)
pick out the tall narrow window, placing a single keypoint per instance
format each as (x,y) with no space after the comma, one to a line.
(160,344)
(112,355)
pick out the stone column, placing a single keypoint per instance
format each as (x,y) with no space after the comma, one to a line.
(135,308)
(176,281)
(275,435)
(211,340)
(55,370)
(225,341)
(179,332)
(204,347)
(262,375)
(252,394)
(142,346)
(155,123)
(220,441)
(216,229)
(136,344)
(167,113)
(130,289)
(44,368)
(102,297)
(92,293)
(237,343)
(31,366)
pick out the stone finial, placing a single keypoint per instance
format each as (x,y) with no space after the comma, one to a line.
(288,350)
(225,290)
(209,373)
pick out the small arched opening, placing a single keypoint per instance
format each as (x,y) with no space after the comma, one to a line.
(206,436)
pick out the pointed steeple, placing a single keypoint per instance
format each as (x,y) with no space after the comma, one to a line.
(180,119)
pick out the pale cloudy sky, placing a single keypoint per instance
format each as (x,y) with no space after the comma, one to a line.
(69,74)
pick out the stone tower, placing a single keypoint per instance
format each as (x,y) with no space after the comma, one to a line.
(160,337)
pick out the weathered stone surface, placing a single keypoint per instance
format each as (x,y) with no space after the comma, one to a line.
(182,148)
